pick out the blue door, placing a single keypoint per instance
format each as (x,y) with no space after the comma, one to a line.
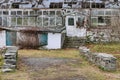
(43,39)
(10,38)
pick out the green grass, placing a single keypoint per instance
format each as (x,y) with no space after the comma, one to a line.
(113,48)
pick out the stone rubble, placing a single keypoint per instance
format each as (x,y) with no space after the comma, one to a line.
(103,60)
(10,59)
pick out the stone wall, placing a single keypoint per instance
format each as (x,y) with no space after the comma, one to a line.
(103,60)
(10,59)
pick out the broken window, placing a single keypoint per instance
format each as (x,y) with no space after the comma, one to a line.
(5,12)
(71,21)
(100,19)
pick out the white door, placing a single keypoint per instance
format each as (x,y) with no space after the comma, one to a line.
(72,29)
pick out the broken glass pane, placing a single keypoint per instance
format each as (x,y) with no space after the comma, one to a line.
(5,12)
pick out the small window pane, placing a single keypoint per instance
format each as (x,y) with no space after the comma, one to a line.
(0,20)
(58,13)
(31,12)
(5,12)
(13,21)
(13,13)
(71,21)
(19,21)
(59,21)
(52,21)
(19,12)
(32,21)
(45,12)
(25,12)
(39,12)
(52,12)
(45,21)
(25,21)
(100,12)
(39,21)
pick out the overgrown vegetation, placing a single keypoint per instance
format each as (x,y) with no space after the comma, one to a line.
(79,68)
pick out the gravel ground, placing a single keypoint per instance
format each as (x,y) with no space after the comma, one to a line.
(37,65)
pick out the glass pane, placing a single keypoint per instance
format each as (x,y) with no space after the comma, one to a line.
(45,12)
(25,21)
(13,13)
(5,12)
(58,13)
(31,12)
(32,21)
(19,21)
(4,21)
(39,12)
(13,21)
(59,21)
(19,12)
(100,12)
(0,20)
(25,12)
(39,21)
(52,12)
(100,19)
(45,21)
(52,21)
(108,12)
(94,21)
(71,21)
(0,12)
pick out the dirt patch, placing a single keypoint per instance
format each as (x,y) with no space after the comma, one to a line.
(52,69)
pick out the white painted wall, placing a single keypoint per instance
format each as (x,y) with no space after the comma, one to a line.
(2,38)
(54,41)
(72,31)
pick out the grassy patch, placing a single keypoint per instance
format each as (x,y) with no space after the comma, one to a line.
(108,48)
(63,53)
